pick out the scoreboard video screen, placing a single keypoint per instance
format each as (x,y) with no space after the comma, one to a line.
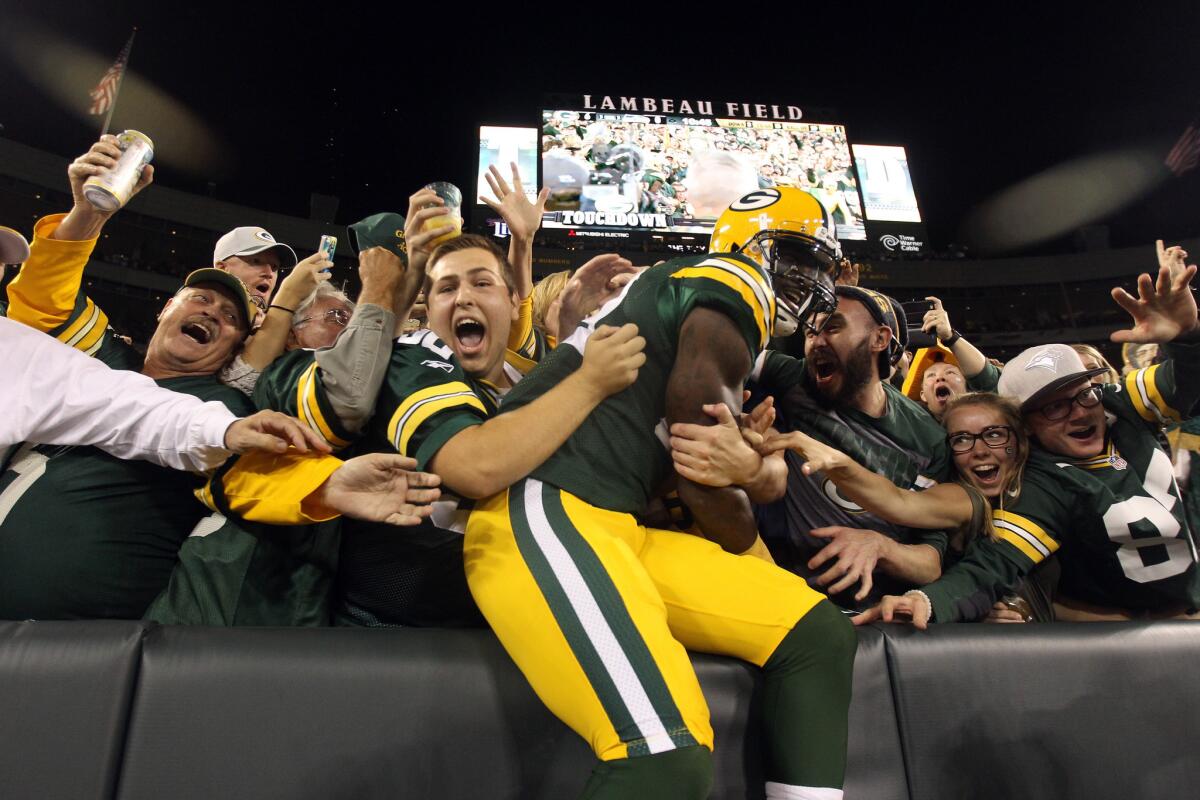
(887,186)
(502,146)
(660,173)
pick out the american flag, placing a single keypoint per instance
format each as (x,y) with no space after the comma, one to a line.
(106,90)
(1185,155)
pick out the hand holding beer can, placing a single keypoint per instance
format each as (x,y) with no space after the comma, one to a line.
(112,190)
(452,198)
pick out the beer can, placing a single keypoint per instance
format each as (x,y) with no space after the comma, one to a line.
(112,190)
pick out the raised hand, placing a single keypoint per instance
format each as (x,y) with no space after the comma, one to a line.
(522,217)
(302,280)
(937,321)
(1174,257)
(424,206)
(1163,310)
(85,220)
(381,488)
(612,358)
(590,287)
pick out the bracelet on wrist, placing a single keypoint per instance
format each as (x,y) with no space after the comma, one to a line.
(928,602)
(281,308)
(954,337)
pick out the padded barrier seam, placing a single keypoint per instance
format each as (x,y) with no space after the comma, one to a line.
(135,680)
(893,682)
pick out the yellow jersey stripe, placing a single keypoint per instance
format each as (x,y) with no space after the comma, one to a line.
(519,361)
(737,285)
(1140,403)
(1024,534)
(1147,381)
(419,406)
(762,286)
(309,410)
(89,321)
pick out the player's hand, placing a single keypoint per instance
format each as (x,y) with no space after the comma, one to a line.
(302,280)
(612,358)
(910,608)
(590,287)
(937,321)
(381,488)
(1002,613)
(847,273)
(714,455)
(522,217)
(273,432)
(1163,310)
(857,553)
(424,206)
(99,159)
(1173,258)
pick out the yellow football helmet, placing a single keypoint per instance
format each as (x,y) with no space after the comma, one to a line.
(791,236)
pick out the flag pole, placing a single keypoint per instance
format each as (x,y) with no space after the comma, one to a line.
(120,78)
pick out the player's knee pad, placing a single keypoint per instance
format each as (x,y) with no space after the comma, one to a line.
(684,773)
(822,636)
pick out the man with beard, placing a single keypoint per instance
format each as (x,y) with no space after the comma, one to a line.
(838,393)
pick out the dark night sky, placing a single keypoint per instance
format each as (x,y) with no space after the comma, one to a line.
(361,103)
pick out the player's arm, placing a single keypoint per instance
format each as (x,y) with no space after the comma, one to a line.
(724,454)
(481,460)
(942,506)
(711,365)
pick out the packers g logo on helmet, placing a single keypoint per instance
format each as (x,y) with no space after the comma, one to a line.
(791,235)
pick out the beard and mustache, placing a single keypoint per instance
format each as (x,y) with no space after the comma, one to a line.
(857,372)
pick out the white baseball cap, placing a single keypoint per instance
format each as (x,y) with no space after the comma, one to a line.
(247,241)
(1041,371)
(13,247)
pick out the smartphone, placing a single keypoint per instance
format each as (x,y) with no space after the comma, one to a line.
(327,247)
(915,310)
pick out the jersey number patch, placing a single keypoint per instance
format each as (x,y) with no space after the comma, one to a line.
(1147,522)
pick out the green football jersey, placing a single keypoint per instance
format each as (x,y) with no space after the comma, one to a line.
(618,457)
(295,385)
(87,535)
(414,576)
(1116,521)
(906,445)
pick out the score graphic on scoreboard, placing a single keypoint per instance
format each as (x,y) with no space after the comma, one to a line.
(616,164)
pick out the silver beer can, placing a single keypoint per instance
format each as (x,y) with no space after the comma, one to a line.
(111,191)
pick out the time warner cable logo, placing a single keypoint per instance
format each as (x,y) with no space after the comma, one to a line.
(899,243)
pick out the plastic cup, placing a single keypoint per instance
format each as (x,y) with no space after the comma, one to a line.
(452,197)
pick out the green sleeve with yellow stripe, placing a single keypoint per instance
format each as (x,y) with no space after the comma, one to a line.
(1166,392)
(734,286)
(294,384)
(1026,535)
(272,488)
(425,400)
(47,293)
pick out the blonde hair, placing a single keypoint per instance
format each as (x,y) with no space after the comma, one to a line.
(1010,412)
(545,292)
(1111,375)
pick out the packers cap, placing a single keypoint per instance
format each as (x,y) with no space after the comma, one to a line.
(385,229)
(230,282)
(247,241)
(1041,371)
(13,247)
(922,360)
(886,311)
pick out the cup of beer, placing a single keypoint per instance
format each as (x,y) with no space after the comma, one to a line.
(452,197)
(112,190)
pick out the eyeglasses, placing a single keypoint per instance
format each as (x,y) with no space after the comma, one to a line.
(1061,409)
(334,316)
(993,436)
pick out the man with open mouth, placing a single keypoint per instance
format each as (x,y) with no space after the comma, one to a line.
(839,394)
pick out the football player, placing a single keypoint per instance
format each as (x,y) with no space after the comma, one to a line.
(1098,490)
(598,610)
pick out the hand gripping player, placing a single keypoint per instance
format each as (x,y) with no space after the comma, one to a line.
(597,610)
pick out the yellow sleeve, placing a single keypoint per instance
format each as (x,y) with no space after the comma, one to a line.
(271,488)
(43,294)
(520,336)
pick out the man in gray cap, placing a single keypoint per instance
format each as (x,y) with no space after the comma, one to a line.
(252,255)
(1097,489)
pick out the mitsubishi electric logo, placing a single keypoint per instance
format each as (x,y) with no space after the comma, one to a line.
(899,243)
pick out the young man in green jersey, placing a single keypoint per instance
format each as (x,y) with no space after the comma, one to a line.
(595,608)
(1098,490)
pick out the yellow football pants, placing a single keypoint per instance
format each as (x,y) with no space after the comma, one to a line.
(598,612)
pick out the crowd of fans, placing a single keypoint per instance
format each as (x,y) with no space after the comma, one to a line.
(922,483)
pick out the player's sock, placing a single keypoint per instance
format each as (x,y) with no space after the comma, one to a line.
(683,773)
(806,702)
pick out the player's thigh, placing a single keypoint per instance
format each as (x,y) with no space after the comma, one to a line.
(559,582)
(721,603)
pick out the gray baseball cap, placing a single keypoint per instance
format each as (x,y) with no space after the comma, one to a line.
(13,247)
(251,239)
(1041,371)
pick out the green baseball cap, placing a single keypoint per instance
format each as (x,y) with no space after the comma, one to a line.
(230,282)
(385,229)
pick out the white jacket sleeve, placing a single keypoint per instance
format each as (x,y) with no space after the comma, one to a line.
(54,394)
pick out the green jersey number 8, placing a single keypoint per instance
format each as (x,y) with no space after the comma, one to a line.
(1146,521)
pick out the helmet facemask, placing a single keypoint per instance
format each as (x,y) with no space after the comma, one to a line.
(802,270)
